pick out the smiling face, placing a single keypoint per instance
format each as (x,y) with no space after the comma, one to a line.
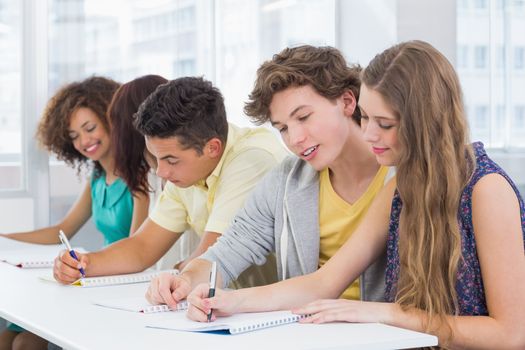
(88,134)
(183,166)
(312,126)
(380,126)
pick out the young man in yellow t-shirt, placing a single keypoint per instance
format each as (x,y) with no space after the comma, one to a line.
(210,167)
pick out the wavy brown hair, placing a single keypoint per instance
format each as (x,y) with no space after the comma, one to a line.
(323,68)
(94,93)
(436,162)
(127,143)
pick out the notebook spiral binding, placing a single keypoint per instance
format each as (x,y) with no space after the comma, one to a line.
(266,324)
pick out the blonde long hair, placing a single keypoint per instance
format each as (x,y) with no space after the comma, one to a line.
(435,164)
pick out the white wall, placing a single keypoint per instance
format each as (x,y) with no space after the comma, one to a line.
(16,214)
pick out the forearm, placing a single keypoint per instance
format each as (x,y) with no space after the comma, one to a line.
(129,255)
(48,235)
(468,332)
(284,295)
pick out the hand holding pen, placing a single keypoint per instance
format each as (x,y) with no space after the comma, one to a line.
(206,302)
(65,242)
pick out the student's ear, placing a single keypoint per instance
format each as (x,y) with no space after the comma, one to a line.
(213,148)
(349,102)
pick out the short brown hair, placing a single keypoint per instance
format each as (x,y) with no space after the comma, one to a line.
(323,68)
(189,108)
(94,93)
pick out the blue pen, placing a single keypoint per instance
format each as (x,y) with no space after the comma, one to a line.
(65,241)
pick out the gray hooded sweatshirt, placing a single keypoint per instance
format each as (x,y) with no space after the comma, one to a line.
(281,216)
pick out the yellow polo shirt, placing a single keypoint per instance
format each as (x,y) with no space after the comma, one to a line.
(211,204)
(339,219)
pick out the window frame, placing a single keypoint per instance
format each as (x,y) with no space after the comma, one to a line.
(34,162)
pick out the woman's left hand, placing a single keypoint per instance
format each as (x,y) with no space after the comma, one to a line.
(333,310)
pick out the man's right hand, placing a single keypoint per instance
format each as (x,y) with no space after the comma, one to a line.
(168,289)
(66,269)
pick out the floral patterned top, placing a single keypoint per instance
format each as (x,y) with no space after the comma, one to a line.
(469,285)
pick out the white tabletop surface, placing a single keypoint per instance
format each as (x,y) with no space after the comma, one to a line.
(65,316)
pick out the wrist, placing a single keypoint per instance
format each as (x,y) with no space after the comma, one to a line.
(86,261)
(392,313)
(242,298)
(185,276)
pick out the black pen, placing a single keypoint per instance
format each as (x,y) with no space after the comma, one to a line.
(213,282)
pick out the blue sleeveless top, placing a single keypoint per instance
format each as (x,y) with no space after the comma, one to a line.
(111,208)
(469,283)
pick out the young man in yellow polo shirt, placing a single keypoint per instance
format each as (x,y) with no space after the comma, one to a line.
(210,167)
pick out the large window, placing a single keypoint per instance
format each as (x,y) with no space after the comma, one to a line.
(249,32)
(10,92)
(494,80)
(223,40)
(126,39)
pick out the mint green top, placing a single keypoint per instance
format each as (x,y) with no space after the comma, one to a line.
(111,208)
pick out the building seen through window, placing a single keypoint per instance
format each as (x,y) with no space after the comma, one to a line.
(493,80)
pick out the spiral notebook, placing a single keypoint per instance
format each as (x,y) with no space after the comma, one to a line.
(236,324)
(24,261)
(138,304)
(33,256)
(129,278)
(10,244)
(101,281)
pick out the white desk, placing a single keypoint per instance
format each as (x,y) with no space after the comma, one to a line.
(65,316)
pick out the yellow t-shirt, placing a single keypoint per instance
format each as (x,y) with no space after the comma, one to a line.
(339,219)
(211,205)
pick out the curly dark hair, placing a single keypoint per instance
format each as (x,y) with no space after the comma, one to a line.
(127,143)
(94,93)
(324,68)
(189,108)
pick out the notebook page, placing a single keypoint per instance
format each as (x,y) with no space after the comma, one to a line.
(240,323)
(22,260)
(8,244)
(33,255)
(137,304)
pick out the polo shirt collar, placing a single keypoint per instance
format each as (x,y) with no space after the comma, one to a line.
(216,173)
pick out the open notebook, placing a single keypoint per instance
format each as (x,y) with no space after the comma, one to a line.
(235,324)
(8,244)
(137,304)
(130,278)
(33,255)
